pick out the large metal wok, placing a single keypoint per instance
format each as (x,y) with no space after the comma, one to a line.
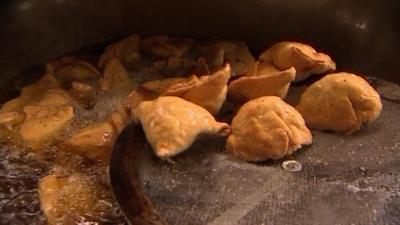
(344,180)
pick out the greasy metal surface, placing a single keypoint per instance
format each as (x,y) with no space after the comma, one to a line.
(124,178)
(345,180)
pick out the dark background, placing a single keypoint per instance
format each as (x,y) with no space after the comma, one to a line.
(363,36)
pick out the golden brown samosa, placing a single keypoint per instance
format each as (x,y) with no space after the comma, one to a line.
(172,124)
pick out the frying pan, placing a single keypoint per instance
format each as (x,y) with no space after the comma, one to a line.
(343,180)
(362,36)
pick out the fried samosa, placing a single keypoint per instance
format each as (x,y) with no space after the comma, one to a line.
(267,128)
(262,80)
(172,124)
(305,59)
(208,92)
(340,102)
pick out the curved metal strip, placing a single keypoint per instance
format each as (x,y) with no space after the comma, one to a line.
(123,175)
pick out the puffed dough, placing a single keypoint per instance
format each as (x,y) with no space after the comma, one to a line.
(31,92)
(69,199)
(211,91)
(172,124)
(114,76)
(120,118)
(267,128)
(95,141)
(305,59)
(52,97)
(237,54)
(136,97)
(172,86)
(10,119)
(84,93)
(9,122)
(127,51)
(42,110)
(339,102)
(70,69)
(42,123)
(165,47)
(208,92)
(262,80)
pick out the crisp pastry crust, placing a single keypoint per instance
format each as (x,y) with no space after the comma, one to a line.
(66,199)
(340,102)
(30,93)
(172,124)
(208,92)
(237,54)
(96,140)
(114,75)
(126,50)
(44,122)
(262,80)
(70,69)
(165,47)
(172,86)
(267,128)
(305,59)
(41,112)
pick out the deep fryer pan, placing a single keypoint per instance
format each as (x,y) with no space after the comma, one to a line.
(353,175)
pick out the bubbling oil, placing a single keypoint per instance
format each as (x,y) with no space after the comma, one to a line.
(85,196)
(21,169)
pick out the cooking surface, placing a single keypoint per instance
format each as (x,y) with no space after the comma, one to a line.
(344,180)
(362,36)
(342,176)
